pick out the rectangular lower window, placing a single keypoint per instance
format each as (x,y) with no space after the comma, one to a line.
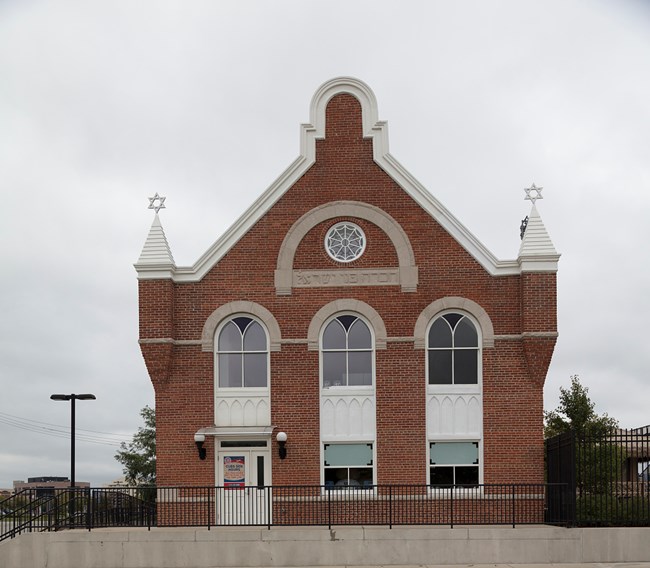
(453,463)
(348,465)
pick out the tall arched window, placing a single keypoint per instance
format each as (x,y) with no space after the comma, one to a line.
(347,353)
(453,351)
(242,354)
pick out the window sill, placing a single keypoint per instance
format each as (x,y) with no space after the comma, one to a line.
(453,389)
(242,391)
(347,391)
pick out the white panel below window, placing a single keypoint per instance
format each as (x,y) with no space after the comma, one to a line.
(347,417)
(242,411)
(454,415)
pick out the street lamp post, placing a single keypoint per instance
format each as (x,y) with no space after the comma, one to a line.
(72,397)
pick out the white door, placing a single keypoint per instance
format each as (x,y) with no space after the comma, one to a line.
(243,477)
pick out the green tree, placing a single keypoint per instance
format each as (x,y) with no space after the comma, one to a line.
(576,412)
(139,456)
(598,459)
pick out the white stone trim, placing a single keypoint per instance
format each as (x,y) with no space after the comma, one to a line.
(346,305)
(154,340)
(241,307)
(378,132)
(156,256)
(520,336)
(453,303)
(284,274)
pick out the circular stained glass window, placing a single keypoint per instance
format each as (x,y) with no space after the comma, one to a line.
(345,242)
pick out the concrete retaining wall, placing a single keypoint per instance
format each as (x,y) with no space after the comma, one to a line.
(348,546)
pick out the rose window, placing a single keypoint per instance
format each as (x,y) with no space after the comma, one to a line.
(345,242)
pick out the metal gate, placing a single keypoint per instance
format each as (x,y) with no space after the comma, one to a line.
(561,475)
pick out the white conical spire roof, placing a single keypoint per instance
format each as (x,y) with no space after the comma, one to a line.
(156,251)
(536,239)
(537,252)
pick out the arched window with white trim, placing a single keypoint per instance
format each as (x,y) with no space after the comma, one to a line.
(453,351)
(347,409)
(454,400)
(242,354)
(347,353)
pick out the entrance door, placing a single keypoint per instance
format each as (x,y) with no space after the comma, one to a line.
(243,476)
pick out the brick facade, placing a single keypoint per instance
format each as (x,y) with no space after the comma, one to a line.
(521,307)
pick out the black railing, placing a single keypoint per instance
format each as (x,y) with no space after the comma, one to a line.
(36,510)
(388,505)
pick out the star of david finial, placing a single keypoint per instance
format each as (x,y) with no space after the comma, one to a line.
(533,193)
(156,202)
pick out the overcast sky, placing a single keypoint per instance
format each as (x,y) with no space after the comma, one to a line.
(102,104)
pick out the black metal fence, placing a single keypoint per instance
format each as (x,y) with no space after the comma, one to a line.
(53,509)
(389,505)
(606,477)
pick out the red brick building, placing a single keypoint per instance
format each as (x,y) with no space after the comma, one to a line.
(348,309)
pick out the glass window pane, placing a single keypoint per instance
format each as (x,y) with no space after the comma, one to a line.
(467,475)
(348,454)
(242,322)
(441,476)
(260,471)
(334,336)
(453,453)
(440,334)
(440,367)
(254,338)
(230,338)
(452,319)
(334,372)
(465,334)
(334,476)
(230,370)
(359,336)
(360,476)
(360,368)
(347,321)
(255,370)
(466,366)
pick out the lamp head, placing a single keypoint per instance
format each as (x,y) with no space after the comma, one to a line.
(199,440)
(281,437)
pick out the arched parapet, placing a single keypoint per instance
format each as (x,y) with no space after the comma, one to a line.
(346,305)
(241,307)
(453,303)
(358,89)
(408,273)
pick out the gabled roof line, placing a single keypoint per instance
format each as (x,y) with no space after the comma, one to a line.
(309,133)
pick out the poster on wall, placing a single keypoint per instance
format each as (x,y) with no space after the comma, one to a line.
(234,474)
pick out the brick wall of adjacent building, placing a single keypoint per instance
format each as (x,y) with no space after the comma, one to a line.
(513,371)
